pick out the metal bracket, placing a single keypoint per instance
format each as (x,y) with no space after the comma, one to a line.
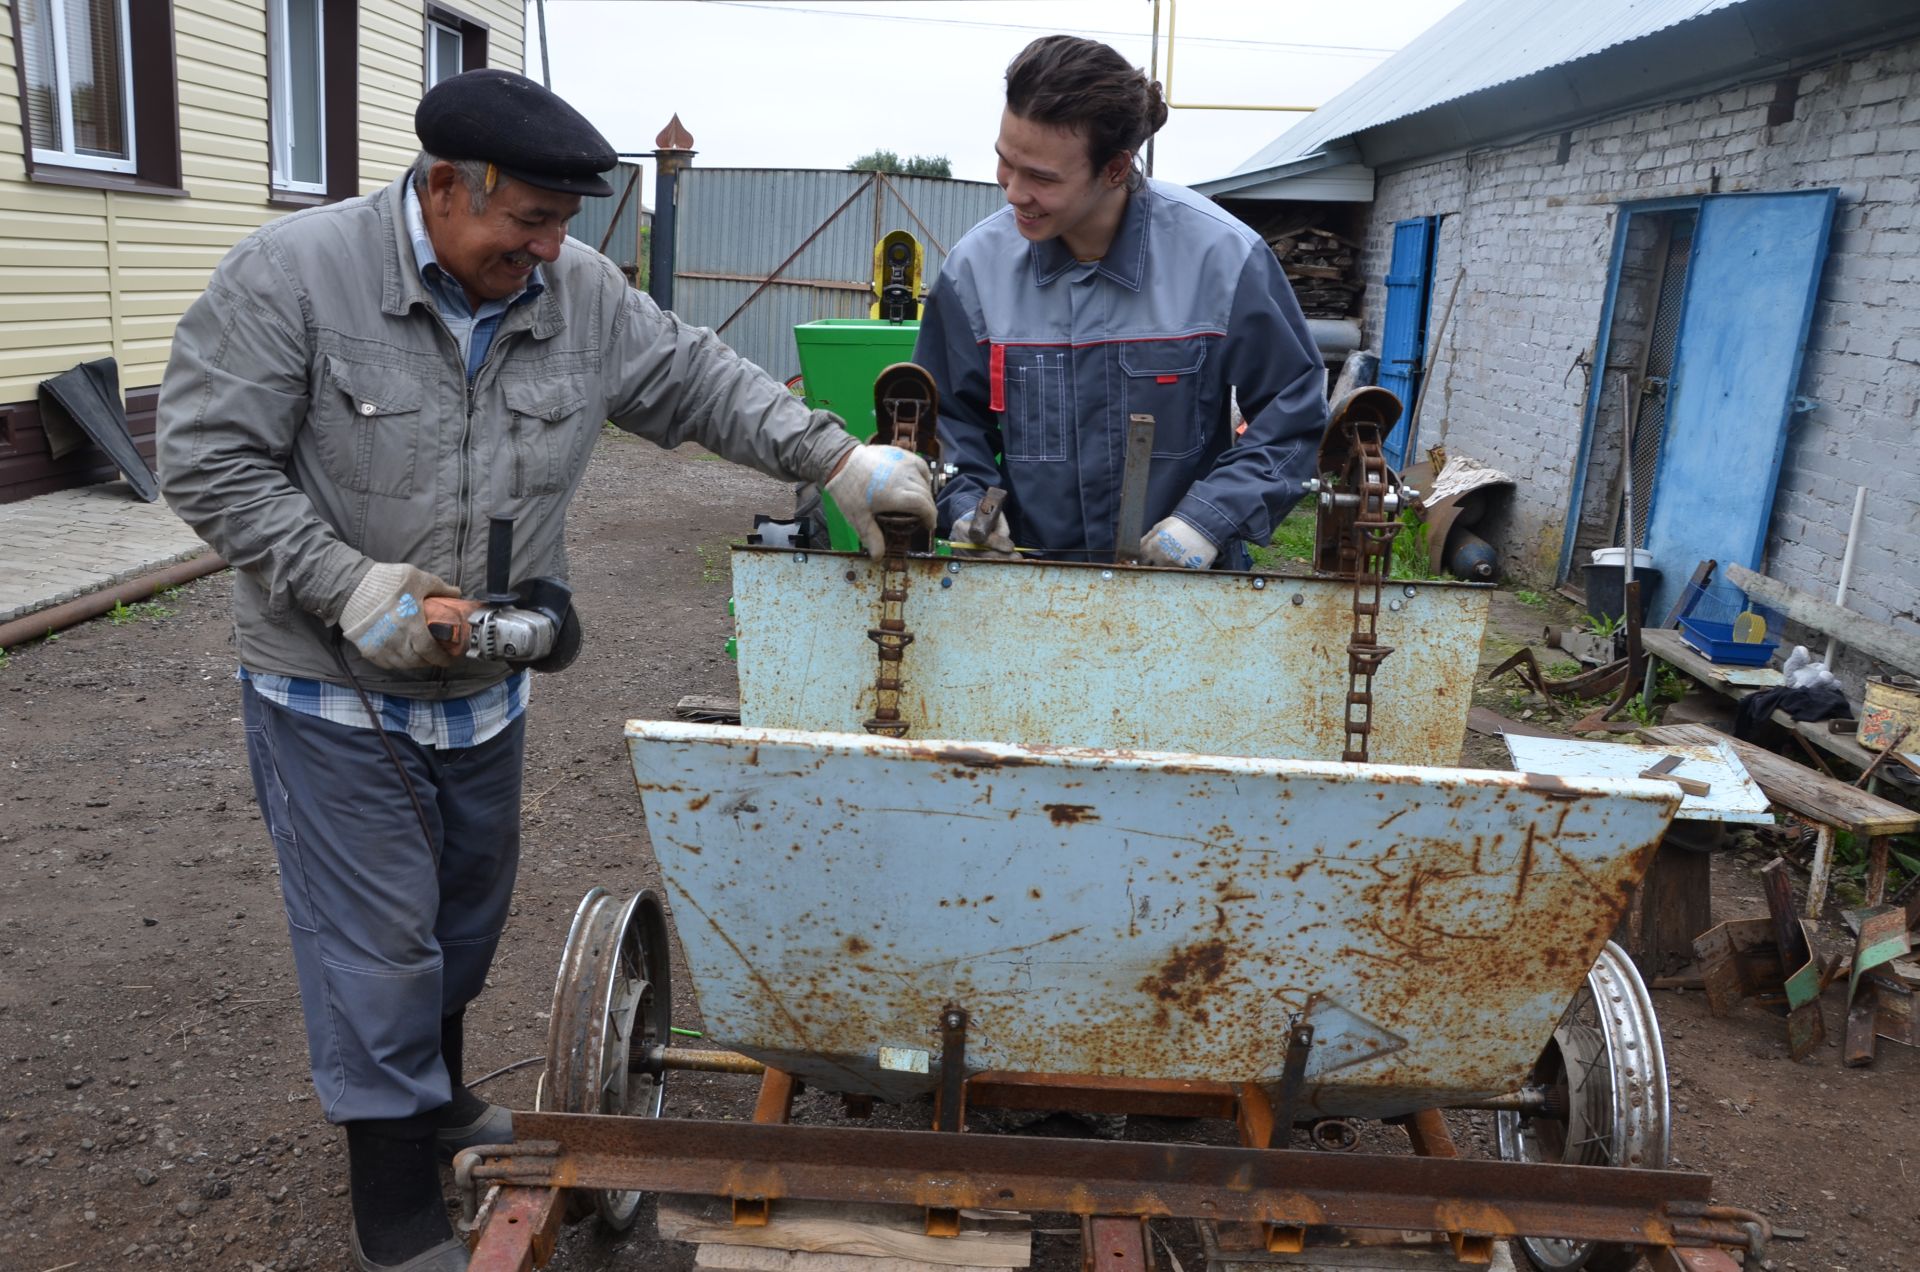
(950,1103)
(1292,1077)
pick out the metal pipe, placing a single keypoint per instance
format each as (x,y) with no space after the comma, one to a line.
(1530,1100)
(1167,95)
(1846,566)
(698,1061)
(1153,74)
(94,604)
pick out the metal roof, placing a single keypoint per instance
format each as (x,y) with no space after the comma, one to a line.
(1481,44)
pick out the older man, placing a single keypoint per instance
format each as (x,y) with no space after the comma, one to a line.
(359,391)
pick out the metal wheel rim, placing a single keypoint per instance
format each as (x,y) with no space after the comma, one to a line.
(603,998)
(1613,1066)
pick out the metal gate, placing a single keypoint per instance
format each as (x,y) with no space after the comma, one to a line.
(759,251)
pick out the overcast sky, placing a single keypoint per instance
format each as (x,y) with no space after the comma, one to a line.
(816,83)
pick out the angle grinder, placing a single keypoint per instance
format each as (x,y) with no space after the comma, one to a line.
(530,624)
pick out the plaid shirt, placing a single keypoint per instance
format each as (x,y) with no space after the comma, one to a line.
(445,725)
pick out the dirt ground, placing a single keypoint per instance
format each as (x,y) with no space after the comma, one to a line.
(154,1096)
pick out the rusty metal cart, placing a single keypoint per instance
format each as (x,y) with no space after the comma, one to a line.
(1134,908)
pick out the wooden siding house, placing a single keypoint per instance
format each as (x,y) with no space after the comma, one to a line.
(141,139)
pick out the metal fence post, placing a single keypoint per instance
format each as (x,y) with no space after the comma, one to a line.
(674,151)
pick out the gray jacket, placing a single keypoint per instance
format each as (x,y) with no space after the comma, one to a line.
(316,418)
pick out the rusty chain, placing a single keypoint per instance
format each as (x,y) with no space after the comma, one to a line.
(1371,551)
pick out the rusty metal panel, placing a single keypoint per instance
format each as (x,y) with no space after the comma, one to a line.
(1066,654)
(1131,913)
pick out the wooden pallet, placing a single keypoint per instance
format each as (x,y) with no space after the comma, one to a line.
(814,1236)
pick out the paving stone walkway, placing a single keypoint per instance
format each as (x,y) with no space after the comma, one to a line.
(56,547)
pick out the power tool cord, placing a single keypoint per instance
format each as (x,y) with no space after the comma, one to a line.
(406,779)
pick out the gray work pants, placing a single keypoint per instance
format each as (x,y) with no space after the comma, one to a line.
(389,933)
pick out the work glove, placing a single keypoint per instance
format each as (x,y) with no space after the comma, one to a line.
(993,539)
(385,618)
(1174,542)
(873,480)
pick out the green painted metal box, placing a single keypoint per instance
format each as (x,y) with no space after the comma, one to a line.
(839,361)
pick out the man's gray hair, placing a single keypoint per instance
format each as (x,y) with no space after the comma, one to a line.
(472,174)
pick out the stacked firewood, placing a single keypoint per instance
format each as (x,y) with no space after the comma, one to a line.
(1320,264)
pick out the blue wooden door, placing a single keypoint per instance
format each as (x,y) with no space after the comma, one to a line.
(1743,329)
(1403,337)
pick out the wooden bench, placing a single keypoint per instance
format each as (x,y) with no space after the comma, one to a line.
(1829,804)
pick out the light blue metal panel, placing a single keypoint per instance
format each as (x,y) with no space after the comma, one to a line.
(1403,333)
(1750,292)
(1139,914)
(1085,655)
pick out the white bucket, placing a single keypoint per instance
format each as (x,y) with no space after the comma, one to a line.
(1642,559)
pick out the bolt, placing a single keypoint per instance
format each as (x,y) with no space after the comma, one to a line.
(1411,590)
(1394,606)
(1106,574)
(1298,599)
(953,567)
(1259,585)
(799,558)
(946,582)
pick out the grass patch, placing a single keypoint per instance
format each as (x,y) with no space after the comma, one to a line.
(713,566)
(1532,600)
(1292,543)
(1565,669)
(1410,561)
(142,611)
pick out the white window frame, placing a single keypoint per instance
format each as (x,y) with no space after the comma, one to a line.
(280,57)
(70,157)
(434,25)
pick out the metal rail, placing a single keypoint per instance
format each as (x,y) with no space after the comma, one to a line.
(930,1169)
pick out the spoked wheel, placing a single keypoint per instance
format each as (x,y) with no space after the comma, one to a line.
(611,1003)
(1605,1075)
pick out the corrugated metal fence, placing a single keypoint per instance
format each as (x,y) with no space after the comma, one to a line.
(737,226)
(590,224)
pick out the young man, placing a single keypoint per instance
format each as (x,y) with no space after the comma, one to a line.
(1094,295)
(361,387)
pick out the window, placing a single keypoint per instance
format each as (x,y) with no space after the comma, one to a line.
(443,52)
(99,95)
(78,70)
(313,83)
(454,43)
(296,46)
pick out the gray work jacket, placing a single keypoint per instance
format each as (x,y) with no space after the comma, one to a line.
(316,418)
(1040,360)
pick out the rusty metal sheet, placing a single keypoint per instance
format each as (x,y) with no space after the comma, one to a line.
(1066,654)
(1133,913)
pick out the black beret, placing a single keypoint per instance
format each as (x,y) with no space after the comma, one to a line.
(519,127)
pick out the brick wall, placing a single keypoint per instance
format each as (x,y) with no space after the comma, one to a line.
(1535,234)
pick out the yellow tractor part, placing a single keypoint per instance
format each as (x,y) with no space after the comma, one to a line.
(898,261)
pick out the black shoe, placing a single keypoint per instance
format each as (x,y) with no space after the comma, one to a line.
(494,1125)
(399,1212)
(449,1256)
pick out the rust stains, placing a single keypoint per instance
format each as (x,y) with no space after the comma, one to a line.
(1187,979)
(856,946)
(696,804)
(1070,814)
